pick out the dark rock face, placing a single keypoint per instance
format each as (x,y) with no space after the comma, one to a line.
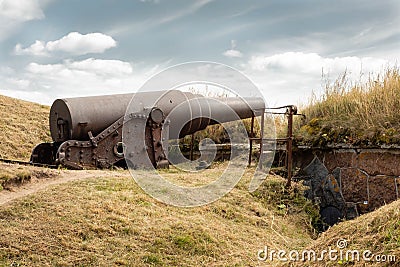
(354,181)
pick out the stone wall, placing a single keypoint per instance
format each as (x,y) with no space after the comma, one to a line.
(366,178)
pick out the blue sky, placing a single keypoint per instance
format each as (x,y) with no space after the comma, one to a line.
(63,48)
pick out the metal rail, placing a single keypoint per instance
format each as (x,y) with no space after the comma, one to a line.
(28,163)
(291,111)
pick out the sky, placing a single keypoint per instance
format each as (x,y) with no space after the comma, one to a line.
(53,49)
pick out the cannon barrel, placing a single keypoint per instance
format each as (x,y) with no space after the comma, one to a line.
(196,114)
(87,131)
(74,118)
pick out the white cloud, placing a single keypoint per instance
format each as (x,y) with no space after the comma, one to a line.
(89,66)
(312,63)
(291,77)
(14,12)
(43,83)
(103,67)
(74,43)
(37,49)
(21,10)
(233,52)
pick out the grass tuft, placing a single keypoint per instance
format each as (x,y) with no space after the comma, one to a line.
(359,114)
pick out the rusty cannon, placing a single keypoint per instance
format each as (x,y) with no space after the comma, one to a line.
(87,132)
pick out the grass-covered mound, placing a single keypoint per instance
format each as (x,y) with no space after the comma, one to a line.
(22,126)
(378,232)
(111,221)
(362,114)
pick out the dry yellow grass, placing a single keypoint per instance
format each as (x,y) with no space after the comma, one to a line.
(378,231)
(360,114)
(111,221)
(22,126)
(14,175)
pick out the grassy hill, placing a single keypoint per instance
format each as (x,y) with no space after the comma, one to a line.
(22,126)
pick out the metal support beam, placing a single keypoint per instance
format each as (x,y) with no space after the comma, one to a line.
(261,136)
(191,146)
(251,139)
(289,144)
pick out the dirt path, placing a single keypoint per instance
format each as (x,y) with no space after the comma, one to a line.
(37,185)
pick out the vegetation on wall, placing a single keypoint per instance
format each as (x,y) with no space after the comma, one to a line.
(363,114)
